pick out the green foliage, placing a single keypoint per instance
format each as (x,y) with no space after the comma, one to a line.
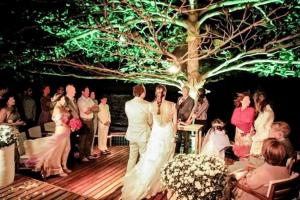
(138,40)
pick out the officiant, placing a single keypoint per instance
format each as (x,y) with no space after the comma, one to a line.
(184,108)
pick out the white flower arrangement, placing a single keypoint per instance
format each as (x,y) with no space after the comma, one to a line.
(8,135)
(194,176)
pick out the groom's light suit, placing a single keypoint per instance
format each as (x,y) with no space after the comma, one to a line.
(138,131)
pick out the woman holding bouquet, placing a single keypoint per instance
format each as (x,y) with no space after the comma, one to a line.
(144,179)
(52,158)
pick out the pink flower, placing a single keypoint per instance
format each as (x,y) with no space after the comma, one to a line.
(75,124)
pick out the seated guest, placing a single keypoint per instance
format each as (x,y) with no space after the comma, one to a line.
(274,168)
(216,140)
(279,130)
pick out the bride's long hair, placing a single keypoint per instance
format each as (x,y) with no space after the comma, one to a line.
(160,95)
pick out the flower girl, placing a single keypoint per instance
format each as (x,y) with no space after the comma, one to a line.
(216,140)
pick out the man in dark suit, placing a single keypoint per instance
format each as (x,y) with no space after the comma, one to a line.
(184,107)
(74,111)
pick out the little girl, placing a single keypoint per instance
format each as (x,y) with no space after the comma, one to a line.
(215,140)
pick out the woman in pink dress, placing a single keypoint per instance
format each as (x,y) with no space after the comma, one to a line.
(52,158)
(243,119)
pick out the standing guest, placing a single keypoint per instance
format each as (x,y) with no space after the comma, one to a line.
(51,158)
(29,107)
(139,119)
(184,108)
(199,113)
(46,106)
(263,121)
(95,119)
(274,168)
(72,107)
(86,111)
(104,121)
(59,93)
(243,119)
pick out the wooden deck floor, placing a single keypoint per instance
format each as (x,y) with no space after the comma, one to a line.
(98,179)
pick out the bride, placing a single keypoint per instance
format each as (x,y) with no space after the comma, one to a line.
(144,179)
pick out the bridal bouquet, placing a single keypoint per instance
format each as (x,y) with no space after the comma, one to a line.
(194,176)
(8,135)
(75,124)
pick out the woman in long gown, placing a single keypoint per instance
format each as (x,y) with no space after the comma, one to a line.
(144,179)
(262,123)
(52,158)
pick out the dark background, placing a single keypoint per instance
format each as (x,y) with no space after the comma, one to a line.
(282,93)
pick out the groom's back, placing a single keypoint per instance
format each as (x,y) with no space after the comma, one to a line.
(137,111)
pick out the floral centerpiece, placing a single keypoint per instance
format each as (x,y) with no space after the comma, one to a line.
(75,124)
(8,136)
(195,176)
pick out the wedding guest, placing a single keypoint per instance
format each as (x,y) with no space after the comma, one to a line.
(274,168)
(279,130)
(243,119)
(51,159)
(263,121)
(104,121)
(46,106)
(199,112)
(8,111)
(29,107)
(184,108)
(71,105)
(216,140)
(9,115)
(95,118)
(86,109)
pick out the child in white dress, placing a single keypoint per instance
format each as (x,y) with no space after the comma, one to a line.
(216,140)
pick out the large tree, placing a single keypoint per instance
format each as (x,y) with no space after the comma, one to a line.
(174,42)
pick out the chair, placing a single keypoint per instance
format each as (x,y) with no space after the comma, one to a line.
(33,147)
(49,127)
(21,149)
(35,132)
(283,189)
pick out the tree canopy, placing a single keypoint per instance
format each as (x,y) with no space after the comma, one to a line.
(173,42)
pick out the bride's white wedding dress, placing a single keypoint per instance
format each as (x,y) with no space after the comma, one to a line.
(144,179)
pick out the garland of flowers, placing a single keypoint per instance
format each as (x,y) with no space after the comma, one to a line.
(194,176)
(8,135)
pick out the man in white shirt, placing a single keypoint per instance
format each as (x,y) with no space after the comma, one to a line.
(139,119)
(104,121)
(86,108)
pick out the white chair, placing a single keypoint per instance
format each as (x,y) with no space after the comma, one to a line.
(33,147)
(20,144)
(49,127)
(278,189)
(35,132)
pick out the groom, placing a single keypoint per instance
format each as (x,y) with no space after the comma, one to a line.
(139,120)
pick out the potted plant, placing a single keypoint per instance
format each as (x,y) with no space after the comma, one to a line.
(7,154)
(194,177)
